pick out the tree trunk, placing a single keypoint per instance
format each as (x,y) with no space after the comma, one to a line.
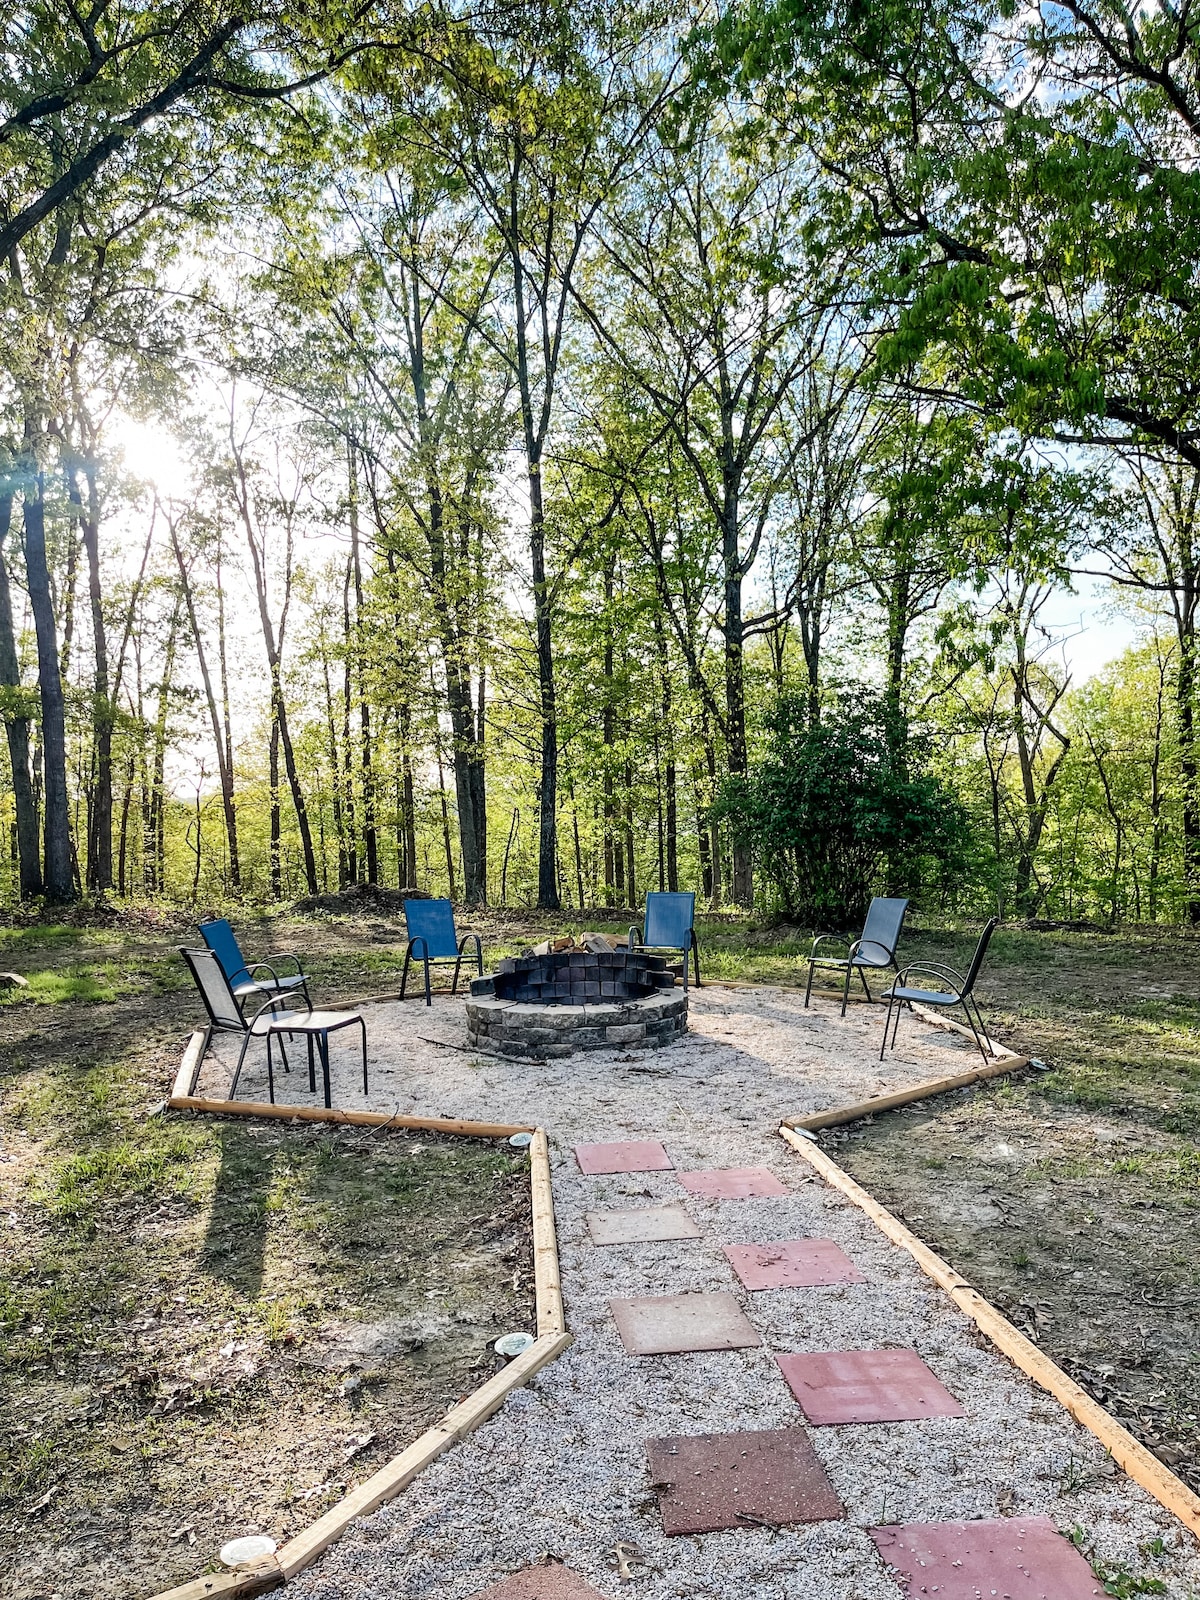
(57,874)
(348,808)
(367,777)
(742,885)
(1185,693)
(276,821)
(99,853)
(221,740)
(16,727)
(670,781)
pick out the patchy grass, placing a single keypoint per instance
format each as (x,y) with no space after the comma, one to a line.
(215,1327)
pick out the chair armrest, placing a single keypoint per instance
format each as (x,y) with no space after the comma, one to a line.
(635,937)
(286,955)
(277,1002)
(464,940)
(423,953)
(840,937)
(265,966)
(932,969)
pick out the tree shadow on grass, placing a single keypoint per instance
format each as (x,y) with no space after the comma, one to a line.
(235,1241)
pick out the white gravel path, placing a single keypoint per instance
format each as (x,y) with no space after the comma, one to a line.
(561,1470)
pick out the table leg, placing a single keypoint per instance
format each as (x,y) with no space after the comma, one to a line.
(312,1076)
(323,1045)
(270,1071)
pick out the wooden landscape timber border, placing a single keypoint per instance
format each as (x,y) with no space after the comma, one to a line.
(1130,1455)
(552,1337)
(1004,1063)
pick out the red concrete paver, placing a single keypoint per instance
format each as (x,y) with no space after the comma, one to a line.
(550,1582)
(1012,1558)
(628,1155)
(710,1481)
(792,1264)
(669,1324)
(866,1386)
(733,1183)
(643,1225)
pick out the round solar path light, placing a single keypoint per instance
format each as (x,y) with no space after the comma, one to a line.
(250,1547)
(512,1344)
(521,1141)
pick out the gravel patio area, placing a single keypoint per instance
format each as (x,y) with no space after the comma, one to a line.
(561,1474)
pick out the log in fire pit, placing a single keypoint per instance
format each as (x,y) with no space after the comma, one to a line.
(555,1002)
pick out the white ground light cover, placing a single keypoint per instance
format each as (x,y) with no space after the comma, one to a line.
(561,1470)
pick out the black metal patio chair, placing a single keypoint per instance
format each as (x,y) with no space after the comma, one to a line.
(875,950)
(958,990)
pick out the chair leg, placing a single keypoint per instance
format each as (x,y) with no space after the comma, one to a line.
(900,1004)
(866,987)
(965,1003)
(846,988)
(237,1071)
(323,1046)
(457,966)
(428,990)
(808,985)
(270,1071)
(363,1026)
(685,970)
(312,1074)
(696,958)
(985,1034)
(887,1022)
(404,973)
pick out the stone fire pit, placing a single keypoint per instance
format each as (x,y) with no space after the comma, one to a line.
(551,1005)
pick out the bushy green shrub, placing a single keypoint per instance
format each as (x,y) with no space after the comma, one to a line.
(843,807)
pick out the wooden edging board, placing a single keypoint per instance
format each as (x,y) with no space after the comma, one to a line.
(1004,1062)
(1130,1455)
(304,1548)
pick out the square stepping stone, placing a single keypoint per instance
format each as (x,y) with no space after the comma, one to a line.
(1013,1558)
(641,1226)
(628,1155)
(669,1324)
(710,1481)
(733,1183)
(866,1386)
(551,1582)
(792,1264)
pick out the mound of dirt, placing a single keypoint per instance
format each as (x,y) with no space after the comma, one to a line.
(363,899)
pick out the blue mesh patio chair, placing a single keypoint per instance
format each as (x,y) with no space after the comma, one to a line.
(256,979)
(875,949)
(670,926)
(432,938)
(273,1020)
(954,989)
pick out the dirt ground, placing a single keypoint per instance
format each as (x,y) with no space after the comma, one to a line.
(209,1327)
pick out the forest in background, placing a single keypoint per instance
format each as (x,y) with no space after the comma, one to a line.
(542,452)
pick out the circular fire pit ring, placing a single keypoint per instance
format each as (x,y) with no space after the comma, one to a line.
(553,1005)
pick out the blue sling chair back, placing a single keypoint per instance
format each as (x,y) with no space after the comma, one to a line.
(256,979)
(670,920)
(432,937)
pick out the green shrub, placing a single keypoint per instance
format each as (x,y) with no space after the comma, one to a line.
(842,807)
